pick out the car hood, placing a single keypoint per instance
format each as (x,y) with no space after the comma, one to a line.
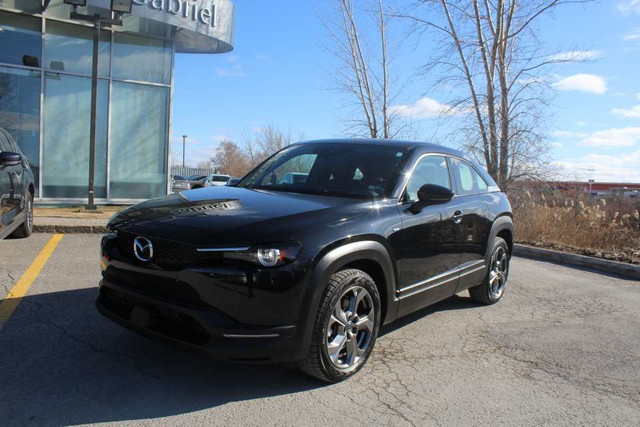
(223,215)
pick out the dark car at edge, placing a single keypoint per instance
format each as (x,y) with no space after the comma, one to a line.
(16,189)
(308,270)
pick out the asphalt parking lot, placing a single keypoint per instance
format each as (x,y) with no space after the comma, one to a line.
(562,347)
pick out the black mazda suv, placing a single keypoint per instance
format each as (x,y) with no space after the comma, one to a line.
(310,253)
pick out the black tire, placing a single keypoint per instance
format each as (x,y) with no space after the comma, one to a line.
(26,228)
(341,287)
(492,288)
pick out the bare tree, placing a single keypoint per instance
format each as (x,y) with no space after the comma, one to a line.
(205,164)
(230,159)
(491,60)
(363,69)
(266,141)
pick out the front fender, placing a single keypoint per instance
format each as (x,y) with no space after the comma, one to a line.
(332,262)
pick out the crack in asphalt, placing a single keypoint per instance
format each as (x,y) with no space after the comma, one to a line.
(7,289)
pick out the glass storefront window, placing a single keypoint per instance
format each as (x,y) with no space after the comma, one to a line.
(69,47)
(29,6)
(20,111)
(66,126)
(139,115)
(46,106)
(141,59)
(20,39)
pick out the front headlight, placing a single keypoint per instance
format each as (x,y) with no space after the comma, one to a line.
(268,257)
(271,255)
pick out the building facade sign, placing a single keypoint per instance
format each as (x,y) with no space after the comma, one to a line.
(204,26)
(205,12)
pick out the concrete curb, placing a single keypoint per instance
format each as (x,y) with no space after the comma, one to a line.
(69,229)
(622,269)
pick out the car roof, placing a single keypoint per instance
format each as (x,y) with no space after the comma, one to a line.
(418,148)
(421,146)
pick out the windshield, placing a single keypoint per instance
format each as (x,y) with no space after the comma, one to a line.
(335,169)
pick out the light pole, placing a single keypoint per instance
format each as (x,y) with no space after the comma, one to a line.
(184,144)
(118,8)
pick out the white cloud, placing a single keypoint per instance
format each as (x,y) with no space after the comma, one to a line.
(638,96)
(557,145)
(568,134)
(603,168)
(633,35)
(616,137)
(232,59)
(581,123)
(575,55)
(423,108)
(629,6)
(632,113)
(234,71)
(591,83)
(263,58)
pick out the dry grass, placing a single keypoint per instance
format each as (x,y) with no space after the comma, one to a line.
(603,228)
(103,211)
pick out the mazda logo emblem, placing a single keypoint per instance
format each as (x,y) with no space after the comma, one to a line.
(143,248)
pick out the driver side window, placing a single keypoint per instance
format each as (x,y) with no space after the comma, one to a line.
(428,170)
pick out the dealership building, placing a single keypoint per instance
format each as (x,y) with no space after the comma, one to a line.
(45,90)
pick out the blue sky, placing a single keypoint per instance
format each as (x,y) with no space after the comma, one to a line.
(279,73)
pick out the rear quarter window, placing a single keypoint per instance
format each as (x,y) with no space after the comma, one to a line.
(469,180)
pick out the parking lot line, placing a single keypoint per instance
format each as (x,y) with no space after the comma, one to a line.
(13,298)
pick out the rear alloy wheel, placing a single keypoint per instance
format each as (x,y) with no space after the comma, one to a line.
(26,228)
(492,288)
(346,327)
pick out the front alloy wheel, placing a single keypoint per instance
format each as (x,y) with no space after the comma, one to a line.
(350,328)
(345,328)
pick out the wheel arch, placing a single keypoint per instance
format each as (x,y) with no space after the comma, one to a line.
(371,256)
(502,227)
(366,254)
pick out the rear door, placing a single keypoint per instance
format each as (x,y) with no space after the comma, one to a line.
(431,240)
(475,224)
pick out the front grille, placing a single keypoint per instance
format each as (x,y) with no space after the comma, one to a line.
(163,287)
(169,254)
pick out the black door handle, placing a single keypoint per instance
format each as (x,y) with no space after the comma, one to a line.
(457,217)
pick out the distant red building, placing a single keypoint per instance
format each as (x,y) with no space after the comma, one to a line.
(595,186)
(625,189)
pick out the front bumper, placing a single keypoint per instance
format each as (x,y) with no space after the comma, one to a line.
(202,328)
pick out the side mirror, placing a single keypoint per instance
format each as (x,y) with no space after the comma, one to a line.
(8,158)
(430,194)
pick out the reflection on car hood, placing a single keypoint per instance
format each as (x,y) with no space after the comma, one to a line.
(223,214)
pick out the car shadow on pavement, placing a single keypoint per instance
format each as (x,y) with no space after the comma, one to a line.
(62,363)
(455,302)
